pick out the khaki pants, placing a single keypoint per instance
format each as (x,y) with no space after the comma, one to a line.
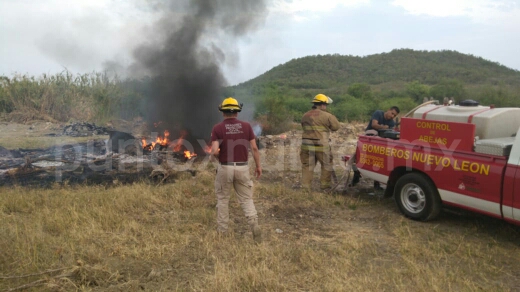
(232,179)
(309,159)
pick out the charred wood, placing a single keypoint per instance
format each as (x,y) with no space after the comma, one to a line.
(88,163)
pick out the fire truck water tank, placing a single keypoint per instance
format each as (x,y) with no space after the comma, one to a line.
(489,122)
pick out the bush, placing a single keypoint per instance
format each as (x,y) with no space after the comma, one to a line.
(298,106)
(499,96)
(449,88)
(273,115)
(272,127)
(405,104)
(348,108)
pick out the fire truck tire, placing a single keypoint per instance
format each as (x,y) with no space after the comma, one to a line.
(417,197)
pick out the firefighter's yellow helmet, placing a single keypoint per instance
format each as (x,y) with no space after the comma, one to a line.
(322,98)
(230,105)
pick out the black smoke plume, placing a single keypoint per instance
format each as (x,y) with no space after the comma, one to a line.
(183,60)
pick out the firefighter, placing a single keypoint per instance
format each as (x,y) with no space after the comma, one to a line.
(317,125)
(230,143)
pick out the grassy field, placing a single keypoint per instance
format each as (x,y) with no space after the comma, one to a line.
(163,238)
(152,237)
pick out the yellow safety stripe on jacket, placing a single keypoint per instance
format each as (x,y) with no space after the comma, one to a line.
(312,142)
(314,148)
(316,128)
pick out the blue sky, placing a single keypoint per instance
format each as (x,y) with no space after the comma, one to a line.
(49,35)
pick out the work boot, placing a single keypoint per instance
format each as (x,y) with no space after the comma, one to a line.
(257,233)
(355,179)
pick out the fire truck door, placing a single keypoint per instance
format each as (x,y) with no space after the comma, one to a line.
(514,164)
(516,194)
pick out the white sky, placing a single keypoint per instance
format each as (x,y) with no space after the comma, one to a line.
(48,36)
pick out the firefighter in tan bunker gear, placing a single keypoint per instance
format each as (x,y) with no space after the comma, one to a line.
(317,125)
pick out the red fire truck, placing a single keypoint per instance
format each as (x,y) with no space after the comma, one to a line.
(466,156)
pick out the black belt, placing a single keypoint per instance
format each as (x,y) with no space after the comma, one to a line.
(234,163)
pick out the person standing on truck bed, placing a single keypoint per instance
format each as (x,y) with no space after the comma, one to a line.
(317,125)
(379,121)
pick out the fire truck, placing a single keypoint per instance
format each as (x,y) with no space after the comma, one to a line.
(466,156)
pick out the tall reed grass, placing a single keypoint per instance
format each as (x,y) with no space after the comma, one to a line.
(64,96)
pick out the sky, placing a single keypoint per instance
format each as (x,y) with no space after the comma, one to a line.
(82,36)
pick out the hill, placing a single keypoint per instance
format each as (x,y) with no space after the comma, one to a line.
(405,65)
(359,85)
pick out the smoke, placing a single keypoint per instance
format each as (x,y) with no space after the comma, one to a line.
(257,129)
(184,55)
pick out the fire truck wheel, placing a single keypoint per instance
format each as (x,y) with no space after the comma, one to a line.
(417,197)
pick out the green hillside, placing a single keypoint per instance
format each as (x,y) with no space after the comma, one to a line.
(404,65)
(359,85)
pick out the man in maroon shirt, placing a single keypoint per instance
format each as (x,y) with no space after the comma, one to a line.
(230,143)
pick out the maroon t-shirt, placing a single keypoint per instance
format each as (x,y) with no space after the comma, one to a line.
(233,136)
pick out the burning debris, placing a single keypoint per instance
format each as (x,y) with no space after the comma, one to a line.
(90,162)
(122,158)
(127,143)
(163,143)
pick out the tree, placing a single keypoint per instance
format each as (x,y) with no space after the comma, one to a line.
(349,108)
(499,96)
(272,113)
(449,88)
(360,90)
(417,91)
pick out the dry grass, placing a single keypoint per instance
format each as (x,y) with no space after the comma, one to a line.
(33,135)
(136,237)
(45,142)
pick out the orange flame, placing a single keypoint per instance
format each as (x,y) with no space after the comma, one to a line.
(178,145)
(163,141)
(189,154)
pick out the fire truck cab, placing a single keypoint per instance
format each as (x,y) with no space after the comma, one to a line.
(466,156)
